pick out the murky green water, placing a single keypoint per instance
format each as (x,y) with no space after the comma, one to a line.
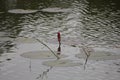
(89,21)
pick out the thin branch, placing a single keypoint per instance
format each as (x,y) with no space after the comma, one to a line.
(45,45)
(48,48)
(87,53)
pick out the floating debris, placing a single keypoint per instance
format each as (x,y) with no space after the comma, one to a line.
(21,11)
(8,59)
(62,63)
(73,45)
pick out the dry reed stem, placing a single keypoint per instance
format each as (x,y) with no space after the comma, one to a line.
(45,46)
(48,48)
(87,51)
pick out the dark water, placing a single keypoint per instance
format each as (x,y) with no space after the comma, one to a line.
(90,21)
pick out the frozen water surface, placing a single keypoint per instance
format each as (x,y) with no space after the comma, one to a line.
(67,68)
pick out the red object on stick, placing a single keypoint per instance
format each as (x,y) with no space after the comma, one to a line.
(59,37)
(59,50)
(59,40)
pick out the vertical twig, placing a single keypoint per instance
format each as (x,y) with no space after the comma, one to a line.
(59,40)
(87,53)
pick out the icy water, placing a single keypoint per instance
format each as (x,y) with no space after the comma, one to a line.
(92,23)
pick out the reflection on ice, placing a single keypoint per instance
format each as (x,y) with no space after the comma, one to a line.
(41,55)
(55,10)
(62,63)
